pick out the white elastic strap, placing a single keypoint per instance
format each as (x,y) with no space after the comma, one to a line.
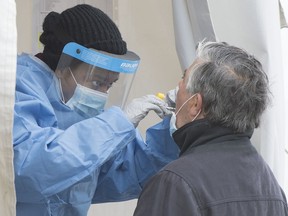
(184,104)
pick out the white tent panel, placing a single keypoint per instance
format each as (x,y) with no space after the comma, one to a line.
(192,24)
(7,88)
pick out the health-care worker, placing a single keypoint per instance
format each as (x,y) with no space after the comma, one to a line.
(68,151)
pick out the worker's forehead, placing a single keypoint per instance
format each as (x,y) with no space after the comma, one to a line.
(93,71)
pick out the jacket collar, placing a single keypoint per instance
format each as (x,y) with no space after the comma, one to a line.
(202,132)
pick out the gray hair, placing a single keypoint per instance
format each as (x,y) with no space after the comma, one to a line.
(232,83)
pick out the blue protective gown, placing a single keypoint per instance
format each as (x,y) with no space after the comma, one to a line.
(63,162)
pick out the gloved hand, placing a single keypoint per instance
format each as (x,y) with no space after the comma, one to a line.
(140,107)
(170,97)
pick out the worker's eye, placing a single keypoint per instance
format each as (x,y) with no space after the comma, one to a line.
(99,84)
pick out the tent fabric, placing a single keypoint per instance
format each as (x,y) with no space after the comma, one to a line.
(246,24)
(192,24)
(283,22)
(8,54)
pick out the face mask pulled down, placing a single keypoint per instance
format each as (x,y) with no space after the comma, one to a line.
(173,126)
(85,101)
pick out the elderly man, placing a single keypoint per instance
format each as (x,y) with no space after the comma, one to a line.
(219,103)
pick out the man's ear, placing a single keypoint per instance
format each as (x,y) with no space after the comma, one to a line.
(195,105)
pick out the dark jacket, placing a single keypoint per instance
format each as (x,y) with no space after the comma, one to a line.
(219,173)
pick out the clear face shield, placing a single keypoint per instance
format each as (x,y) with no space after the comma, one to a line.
(86,74)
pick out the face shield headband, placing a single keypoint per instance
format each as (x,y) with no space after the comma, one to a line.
(127,63)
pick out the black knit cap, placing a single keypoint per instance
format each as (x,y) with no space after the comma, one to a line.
(83,24)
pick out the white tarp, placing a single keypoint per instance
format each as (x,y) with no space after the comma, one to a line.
(254,26)
(192,24)
(284,45)
(8,52)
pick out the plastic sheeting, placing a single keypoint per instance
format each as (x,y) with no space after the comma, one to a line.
(254,26)
(8,52)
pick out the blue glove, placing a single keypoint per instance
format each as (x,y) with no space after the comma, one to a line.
(140,107)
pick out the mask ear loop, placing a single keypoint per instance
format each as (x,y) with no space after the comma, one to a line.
(73,76)
(196,115)
(184,104)
(61,91)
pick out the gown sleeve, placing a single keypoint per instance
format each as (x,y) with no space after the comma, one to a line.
(127,172)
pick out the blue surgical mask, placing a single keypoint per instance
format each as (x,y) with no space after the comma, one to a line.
(173,127)
(87,102)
